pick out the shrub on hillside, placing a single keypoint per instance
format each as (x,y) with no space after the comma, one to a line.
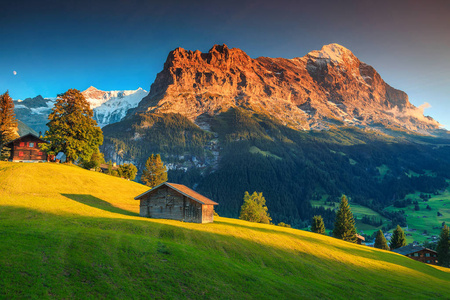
(254,209)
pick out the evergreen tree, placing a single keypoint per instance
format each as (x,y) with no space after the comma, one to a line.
(127,171)
(317,225)
(344,226)
(398,238)
(96,160)
(254,209)
(443,248)
(380,241)
(8,124)
(155,172)
(72,130)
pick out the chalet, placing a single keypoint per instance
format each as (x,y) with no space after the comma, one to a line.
(418,253)
(105,167)
(360,239)
(177,202)
(26,149)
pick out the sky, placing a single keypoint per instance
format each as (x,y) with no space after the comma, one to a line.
(48,47)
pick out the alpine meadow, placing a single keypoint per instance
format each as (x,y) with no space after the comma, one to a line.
(81,238)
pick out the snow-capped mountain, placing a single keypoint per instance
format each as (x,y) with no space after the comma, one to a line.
(109,106)
(34,111)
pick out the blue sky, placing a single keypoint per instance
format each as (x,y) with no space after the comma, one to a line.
(118,44)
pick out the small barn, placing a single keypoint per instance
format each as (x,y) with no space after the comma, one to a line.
(177,202)
(360,239)
(26,149)
(418,253)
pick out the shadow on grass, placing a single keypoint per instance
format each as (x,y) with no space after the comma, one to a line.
(254,267)
(98,203)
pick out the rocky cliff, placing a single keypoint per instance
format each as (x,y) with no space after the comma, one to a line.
(323,88)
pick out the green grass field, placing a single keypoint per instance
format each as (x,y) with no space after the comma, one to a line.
(421,222)
(70,233)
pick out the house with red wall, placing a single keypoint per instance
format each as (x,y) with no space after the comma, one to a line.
(27,149)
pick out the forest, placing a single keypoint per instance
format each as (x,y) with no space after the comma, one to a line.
(289,167)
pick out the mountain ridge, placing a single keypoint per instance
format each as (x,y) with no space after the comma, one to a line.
(321,89)
(108,106)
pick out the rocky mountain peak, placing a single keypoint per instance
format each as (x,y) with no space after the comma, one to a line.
(324,88)
(332,53)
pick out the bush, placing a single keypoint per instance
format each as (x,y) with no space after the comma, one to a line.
(254,209)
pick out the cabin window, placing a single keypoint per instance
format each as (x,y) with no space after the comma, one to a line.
(428,261)
(416,254)
(40,153)
(31,144)
(22,144)
(427,254)
(20,153)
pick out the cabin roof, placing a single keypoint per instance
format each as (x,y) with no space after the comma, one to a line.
(360,237)
(182,189)
(105,166)
(21,137)
(411,248)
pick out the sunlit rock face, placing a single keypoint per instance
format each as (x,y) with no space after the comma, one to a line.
(323,88)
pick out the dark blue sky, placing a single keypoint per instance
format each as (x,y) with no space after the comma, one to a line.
(119,44)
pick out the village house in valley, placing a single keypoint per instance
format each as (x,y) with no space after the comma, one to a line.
(177,202)
(26,149)
(418,253)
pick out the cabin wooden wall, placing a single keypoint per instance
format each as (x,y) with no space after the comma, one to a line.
(207,213)
(22,150)
(166,203)
(422,256)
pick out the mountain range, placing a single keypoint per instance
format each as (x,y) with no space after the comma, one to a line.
(321,89)
(108,107)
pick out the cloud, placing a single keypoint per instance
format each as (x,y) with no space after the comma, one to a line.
(415,112)
(14,72)
(424,106)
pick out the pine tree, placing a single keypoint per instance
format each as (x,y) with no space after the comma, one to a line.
(344,226)
(380,241)
(72,129)
(443,248)
(127,171)
(8,124)
(398,238)
(254,209)
(317,225)
(155,172)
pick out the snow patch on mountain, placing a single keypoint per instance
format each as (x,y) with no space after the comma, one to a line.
(112,106)
(108,106)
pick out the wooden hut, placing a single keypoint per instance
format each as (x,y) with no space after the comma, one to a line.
(177,202)
(26,149)
(360,239)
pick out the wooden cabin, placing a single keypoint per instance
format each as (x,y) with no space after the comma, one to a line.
(26,149)
(176,202)
(360,239)
(418,253)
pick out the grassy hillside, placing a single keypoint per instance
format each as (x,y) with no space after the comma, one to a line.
(72,233)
